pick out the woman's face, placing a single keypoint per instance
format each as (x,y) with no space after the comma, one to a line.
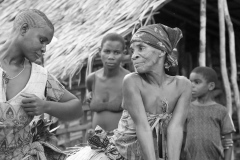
(34,41)
(144,57)
(112,54)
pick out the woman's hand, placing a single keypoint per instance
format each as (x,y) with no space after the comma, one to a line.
(33,105)
(88,97)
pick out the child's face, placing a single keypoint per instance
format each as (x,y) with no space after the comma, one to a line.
(112,54)
(200,86)
(34,41)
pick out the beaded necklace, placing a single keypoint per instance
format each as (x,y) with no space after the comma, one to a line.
(6,78)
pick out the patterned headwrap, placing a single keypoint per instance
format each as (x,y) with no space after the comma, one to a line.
(160,37)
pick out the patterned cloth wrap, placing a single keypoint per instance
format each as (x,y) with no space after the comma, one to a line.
(126,140)
(20,139)
(102,143)
(44,142)
(124,144)
(160,37)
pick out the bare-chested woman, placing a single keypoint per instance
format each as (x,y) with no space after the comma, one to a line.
(155,104)
(105,84)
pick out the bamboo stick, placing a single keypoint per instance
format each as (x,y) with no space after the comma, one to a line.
(202,44)
(223,55)
(212,8)
(190,22)
(232,59)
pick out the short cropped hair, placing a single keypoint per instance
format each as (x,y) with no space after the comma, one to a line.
(33,17)
(208,74)
(113,37)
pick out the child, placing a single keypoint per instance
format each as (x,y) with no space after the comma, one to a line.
(207,120)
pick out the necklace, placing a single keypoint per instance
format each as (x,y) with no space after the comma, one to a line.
(6,78)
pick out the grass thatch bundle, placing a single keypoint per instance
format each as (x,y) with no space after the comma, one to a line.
(79,26)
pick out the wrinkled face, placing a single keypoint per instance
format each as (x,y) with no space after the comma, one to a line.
(34,42)
(112,54)
(144,57)
(199,85)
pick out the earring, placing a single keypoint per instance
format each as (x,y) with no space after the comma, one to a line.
(166,66)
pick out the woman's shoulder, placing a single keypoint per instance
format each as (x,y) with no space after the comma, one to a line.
(183,83)
(131,81)
(124,71)
(131,76)
(182,79)
(91,77)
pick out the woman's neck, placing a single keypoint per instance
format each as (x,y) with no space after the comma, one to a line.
(110,72)
(11,55)
(158,75)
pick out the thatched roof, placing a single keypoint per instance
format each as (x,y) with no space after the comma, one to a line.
(79,26)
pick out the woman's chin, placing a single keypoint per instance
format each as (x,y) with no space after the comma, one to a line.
(141,70)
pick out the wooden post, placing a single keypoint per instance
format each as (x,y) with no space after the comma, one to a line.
(202,45)
(223,55)
(232,59)
(208,52)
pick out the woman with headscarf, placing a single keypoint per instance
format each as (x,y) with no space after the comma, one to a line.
(155,104)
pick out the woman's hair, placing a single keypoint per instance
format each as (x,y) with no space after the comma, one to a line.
(208,74)
(113,37)
(33,17)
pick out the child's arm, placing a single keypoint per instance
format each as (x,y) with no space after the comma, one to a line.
(227,147)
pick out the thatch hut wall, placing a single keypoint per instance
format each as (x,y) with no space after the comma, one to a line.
(79,26)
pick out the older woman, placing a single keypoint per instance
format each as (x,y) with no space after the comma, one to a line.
(155,104)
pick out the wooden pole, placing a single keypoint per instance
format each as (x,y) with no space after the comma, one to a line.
(223,55)
(202,45)
(190,22)
(209,53)
(232,59)
(212,8)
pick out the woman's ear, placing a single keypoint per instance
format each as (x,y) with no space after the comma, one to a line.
(99,51)
(162,53)
(125,52)
(24,28)
(211,86)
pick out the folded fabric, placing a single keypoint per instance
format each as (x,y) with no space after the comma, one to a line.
(102,143)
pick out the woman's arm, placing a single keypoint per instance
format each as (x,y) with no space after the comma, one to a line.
(89,81)
(132,102)
(68,108)
(89,84)
(176,125)
(60,102)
